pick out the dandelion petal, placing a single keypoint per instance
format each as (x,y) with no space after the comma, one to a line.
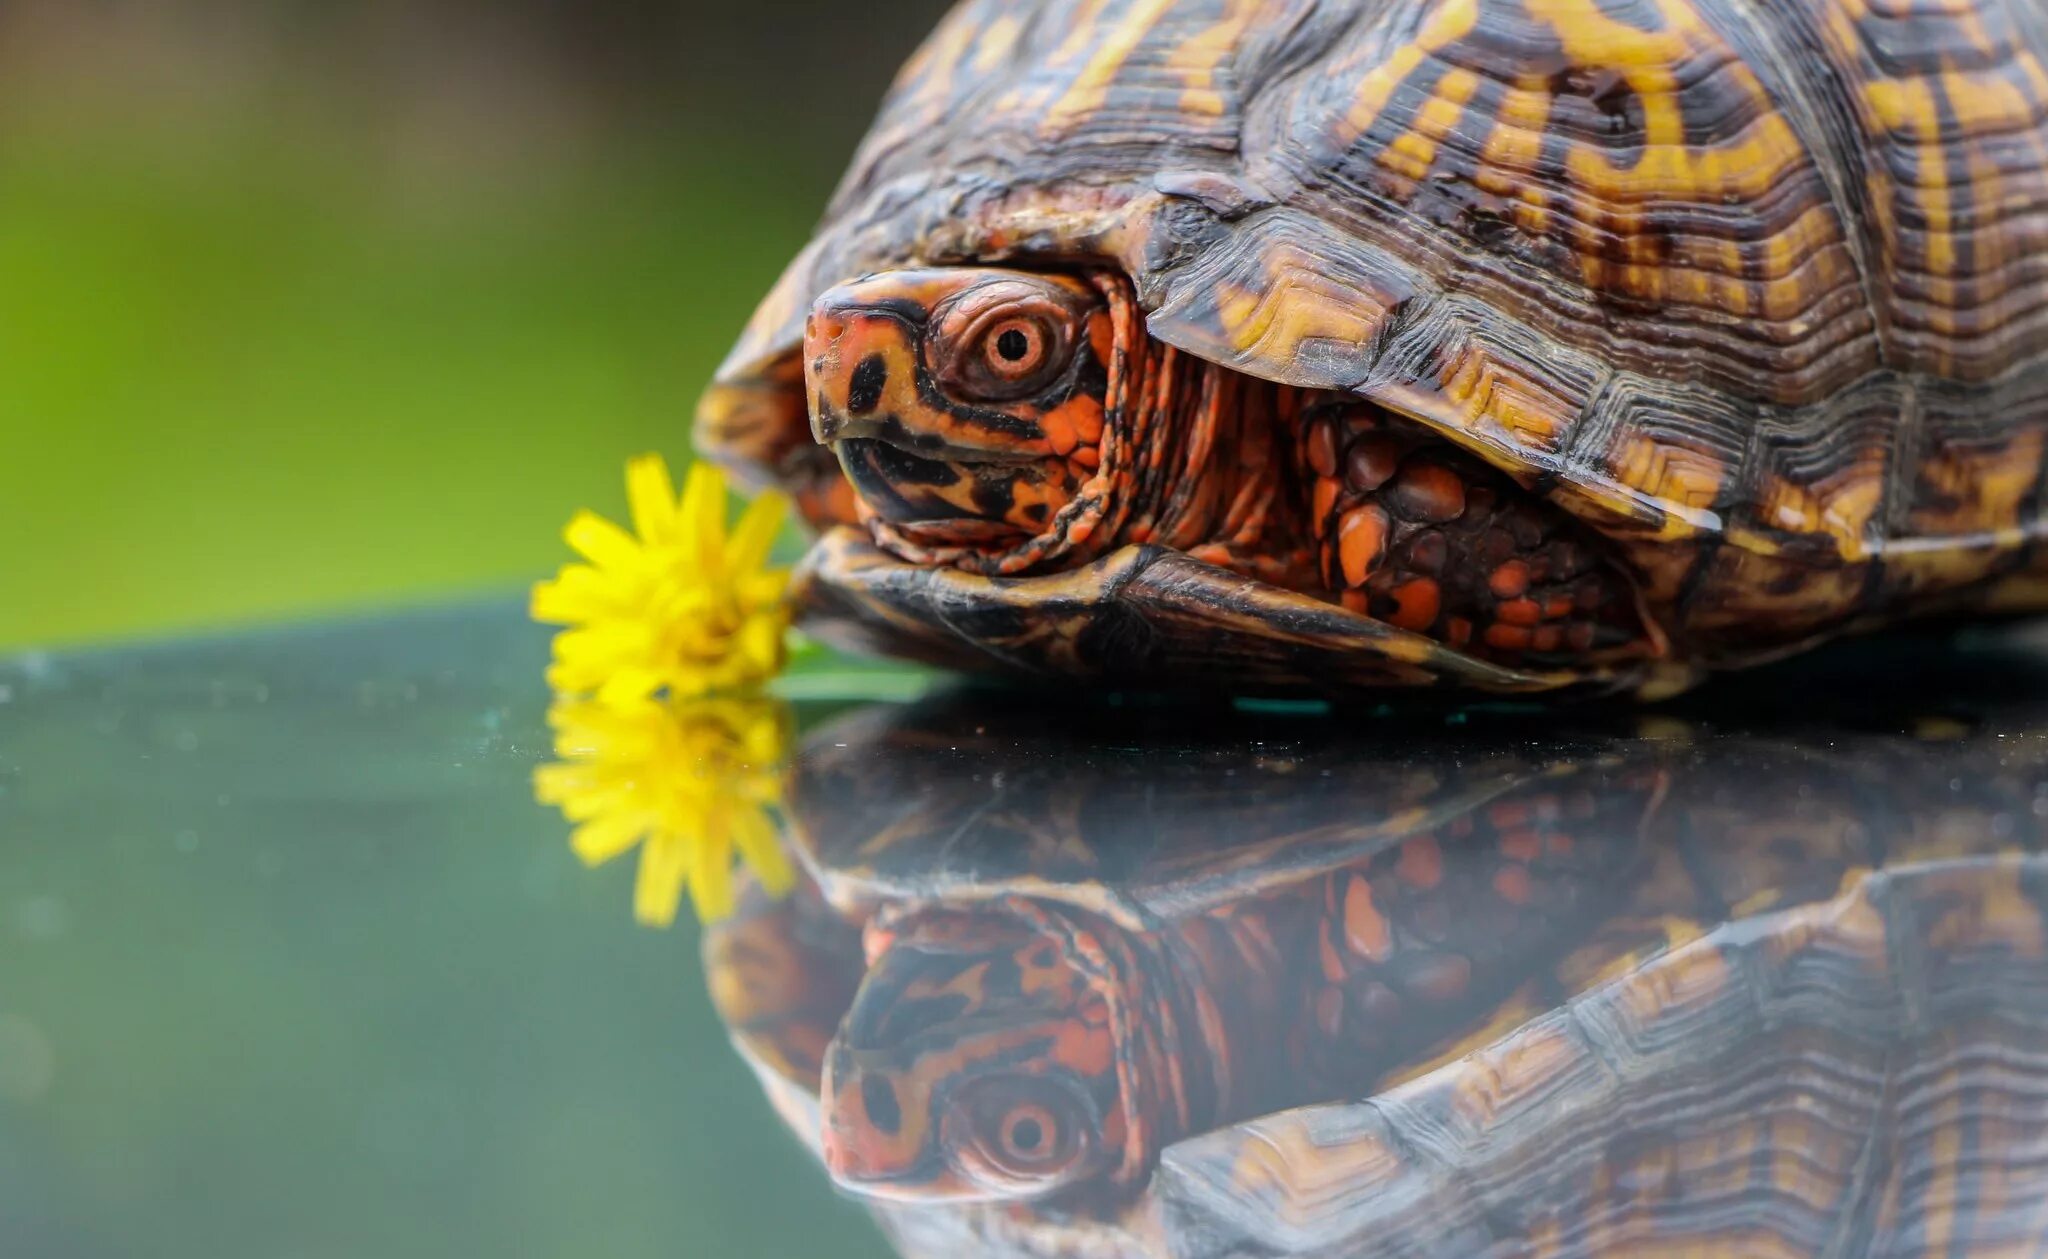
(658,889)
(601,542)
(652,497)
(602,838)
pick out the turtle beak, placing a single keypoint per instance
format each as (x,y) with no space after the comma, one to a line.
(864,372)
(913,461)
(860,368)
(875,1126)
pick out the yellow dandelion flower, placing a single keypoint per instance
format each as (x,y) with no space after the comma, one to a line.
(685,606)
(690,781)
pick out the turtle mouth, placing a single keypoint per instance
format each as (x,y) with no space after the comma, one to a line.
(905,489)
(837,431)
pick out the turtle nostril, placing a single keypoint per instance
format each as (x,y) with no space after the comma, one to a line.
(864,389)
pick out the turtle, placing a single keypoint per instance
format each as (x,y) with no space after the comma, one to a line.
(1326,346)
(1664,983)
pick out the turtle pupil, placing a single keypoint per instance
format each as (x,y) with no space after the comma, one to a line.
(1013,345)
(1028,1135)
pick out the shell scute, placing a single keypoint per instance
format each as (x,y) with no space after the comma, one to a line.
(1618,168)
(1951,113)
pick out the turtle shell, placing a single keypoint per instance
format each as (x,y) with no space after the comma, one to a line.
(1757,292)
(1789,1000)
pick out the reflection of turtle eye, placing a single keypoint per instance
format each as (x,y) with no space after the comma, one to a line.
(1028,1133)
(1019,1133)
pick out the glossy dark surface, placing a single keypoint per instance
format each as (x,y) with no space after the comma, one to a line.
(294,966)
(1763,971)
(297,967)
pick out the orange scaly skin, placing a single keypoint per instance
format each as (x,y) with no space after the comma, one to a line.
(1756,293)
(1097,438)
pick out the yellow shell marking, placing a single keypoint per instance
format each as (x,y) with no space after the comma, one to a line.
(1112,48)
(1297,305)
(1451,22)
(1198,57)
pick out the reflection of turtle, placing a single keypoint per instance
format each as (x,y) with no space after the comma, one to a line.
(1688,990)
(1509,344)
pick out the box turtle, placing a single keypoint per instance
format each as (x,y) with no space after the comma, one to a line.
(1518,345)
(1067,983)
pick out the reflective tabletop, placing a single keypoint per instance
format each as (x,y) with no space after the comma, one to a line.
(299,967)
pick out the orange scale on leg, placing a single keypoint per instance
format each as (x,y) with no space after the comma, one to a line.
(1507,637)
(1421,864)
(1510,580)
(1361,540)
(1520,612)
(1512,883)
(1521,845)
(1325,500)
(1370,463)
(1322,449)
(1429,491)
(1417,604)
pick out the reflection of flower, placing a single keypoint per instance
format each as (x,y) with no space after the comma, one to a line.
(683,607)
(690,780)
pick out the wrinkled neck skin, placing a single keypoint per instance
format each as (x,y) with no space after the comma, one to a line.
(1195,457)
(1211,1046)
(1229,968)
(1172,1059)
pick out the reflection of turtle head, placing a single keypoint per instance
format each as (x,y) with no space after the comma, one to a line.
(1001,1050)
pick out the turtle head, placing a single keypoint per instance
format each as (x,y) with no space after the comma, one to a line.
(987,1056)
(965,404)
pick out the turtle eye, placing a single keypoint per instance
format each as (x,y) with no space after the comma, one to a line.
(1018,1133)
(1015,349)
(1004,345)
(1029,1134)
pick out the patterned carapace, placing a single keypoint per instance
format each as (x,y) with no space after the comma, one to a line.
(1514,344)
(1126,976)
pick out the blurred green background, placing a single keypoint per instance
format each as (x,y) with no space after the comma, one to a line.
(310,304)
